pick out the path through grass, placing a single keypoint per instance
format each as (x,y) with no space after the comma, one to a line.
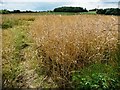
(20,65)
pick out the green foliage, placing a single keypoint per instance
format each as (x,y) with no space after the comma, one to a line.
(9,23)
(96,77)
(16,11)
(4,11)
(112,11)
(89,13)
(101,11)
(70,9)
(12,74)
(117,58)
(20,43)
(109,11)
(93,9)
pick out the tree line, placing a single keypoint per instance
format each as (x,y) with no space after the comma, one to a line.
(59,9)
(70,9)
(109,11)
(5,11)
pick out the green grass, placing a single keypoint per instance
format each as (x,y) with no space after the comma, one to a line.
(68,13)
(11,22)
(60,13)
(89,13)
(96,77)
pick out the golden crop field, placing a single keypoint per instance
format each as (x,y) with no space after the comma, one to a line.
(52,51)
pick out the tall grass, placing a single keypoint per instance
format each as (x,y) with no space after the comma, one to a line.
(15,42)
(46,51)
(9,21)
(69,43)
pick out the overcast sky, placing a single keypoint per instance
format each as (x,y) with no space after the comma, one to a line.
(42,5)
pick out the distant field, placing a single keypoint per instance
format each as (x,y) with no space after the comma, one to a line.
(68,13)
(60,13)
(90,12)
(48,51)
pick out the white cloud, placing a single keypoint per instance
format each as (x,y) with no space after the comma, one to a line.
(92,5)
(51,0)
(109,0)
(51,4)
(17,6)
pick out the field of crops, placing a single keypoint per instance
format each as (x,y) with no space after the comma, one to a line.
(68,51)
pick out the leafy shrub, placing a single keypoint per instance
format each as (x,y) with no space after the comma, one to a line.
(9,23)
(97,76)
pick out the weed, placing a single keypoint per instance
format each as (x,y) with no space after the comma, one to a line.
(94,77)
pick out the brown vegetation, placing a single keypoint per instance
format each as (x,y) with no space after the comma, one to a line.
(68,43)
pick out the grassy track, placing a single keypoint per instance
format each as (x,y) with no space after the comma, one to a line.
(20,64)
